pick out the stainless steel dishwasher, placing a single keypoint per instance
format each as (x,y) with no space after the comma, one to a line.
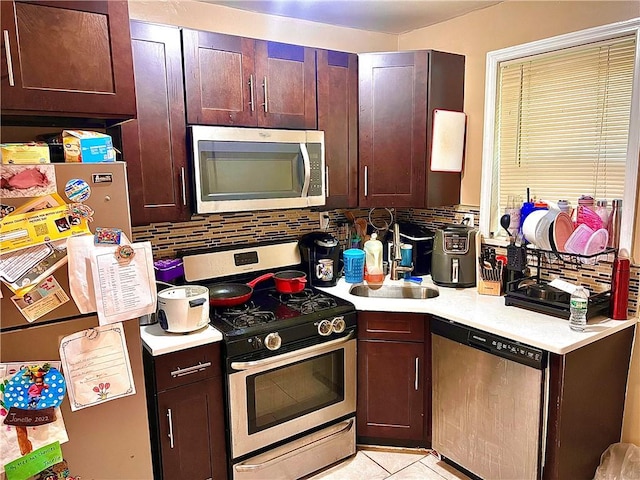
(488,399)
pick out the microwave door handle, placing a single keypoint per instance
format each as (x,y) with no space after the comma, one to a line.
(307,170)
(326,180)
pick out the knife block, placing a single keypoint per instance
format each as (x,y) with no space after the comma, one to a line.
(487,287)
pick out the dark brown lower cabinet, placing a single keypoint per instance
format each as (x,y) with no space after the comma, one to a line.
(394,379)
(587,390)
(585,398)
(186,414)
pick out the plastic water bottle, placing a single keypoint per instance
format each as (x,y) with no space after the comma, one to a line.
(578,306)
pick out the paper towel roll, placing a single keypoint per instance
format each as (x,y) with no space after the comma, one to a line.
(447,148)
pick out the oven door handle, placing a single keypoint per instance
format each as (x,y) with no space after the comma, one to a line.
(336,430)
(303,352)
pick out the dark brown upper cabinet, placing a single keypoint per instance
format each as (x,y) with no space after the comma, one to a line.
(154,144)
(398,93)
(66,59)
(338,118)
(244,82)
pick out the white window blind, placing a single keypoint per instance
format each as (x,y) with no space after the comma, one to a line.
(562,123)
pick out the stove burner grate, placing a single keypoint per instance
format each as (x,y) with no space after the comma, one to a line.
(307,301)
(245,315)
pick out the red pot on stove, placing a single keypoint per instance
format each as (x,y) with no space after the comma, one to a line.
(290,281)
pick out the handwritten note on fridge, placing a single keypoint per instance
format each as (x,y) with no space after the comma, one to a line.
(96,366)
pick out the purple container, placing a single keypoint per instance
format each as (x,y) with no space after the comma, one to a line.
(168,270)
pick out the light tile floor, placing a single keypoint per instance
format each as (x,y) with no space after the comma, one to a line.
(391,464)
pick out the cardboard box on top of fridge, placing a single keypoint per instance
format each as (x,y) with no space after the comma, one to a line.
(87,147)
(24,153)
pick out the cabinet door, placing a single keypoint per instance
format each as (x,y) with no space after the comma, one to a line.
(286,92)
(390,390)
(220,84)
(446,92)
(338,118)
(154,145)
(67,58)
(392,129)
(192,431)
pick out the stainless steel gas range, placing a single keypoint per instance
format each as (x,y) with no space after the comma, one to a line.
(290,366)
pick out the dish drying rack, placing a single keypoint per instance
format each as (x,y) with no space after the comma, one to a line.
(517,295)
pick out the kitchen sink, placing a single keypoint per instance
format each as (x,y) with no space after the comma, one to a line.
(394,291)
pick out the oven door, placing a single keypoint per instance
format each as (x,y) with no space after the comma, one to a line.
(276,398)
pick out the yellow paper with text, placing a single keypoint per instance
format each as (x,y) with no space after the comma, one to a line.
(34,228)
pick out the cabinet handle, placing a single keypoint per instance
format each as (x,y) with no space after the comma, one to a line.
(7,49)
(326,180)
(417,373)
(251,94)
(366,180)
(170,435)
(184,187)
(264,87)
(180,372)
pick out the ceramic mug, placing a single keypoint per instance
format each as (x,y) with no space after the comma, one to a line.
(324,269)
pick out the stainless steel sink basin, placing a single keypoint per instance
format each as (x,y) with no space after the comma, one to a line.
(408,290)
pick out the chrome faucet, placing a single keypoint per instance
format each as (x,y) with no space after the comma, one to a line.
(396,268)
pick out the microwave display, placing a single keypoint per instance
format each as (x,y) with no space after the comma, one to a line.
(239,170)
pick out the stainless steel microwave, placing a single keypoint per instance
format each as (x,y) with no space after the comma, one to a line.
(241,169)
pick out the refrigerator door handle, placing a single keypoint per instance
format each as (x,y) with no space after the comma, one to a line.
(170,435)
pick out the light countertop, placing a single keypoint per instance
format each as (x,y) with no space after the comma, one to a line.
(489,313)
(158,342)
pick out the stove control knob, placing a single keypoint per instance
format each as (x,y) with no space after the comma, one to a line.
(338,324)
(325,328)
(256,343)
(273,341)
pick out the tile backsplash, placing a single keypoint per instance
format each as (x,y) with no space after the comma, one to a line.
(242,228)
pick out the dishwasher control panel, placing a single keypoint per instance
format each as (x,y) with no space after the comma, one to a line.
(493,344)
(501,345)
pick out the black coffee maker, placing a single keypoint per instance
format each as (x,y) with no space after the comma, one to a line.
(320,253)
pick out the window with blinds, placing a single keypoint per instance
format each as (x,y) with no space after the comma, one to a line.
(562,123)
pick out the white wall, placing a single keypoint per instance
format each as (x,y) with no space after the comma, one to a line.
(216,18)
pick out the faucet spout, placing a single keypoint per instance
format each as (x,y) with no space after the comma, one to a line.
(396,269)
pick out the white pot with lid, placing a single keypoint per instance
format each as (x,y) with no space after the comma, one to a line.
(183,309)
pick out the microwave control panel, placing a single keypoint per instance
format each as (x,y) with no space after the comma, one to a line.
(315,159)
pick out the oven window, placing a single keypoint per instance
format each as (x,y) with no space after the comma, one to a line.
(246,170)
(291,391)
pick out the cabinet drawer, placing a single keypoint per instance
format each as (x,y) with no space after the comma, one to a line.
(187,366)
(391,326)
